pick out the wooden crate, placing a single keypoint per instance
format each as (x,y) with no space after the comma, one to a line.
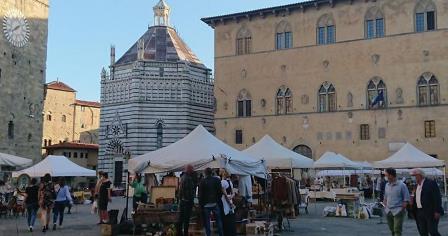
(162,192)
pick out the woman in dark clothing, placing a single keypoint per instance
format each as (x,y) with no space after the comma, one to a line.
(104,197)
(46,200)
(32,203)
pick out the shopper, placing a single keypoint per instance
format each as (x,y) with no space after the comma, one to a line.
(140,194)
(46,200)
(187,192)
(426,205)
(31,202)
(210,192)
(396,198)
(63,198)
(96,193)
(104,197)
(228,214)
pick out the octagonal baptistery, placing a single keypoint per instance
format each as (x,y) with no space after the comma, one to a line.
(154,95)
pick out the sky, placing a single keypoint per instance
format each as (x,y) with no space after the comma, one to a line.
(81,32)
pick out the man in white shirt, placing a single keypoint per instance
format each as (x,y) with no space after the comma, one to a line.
(426,204)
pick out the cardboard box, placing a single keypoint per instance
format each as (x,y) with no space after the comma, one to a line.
(109,230)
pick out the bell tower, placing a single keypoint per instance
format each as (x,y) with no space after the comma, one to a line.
(162,13)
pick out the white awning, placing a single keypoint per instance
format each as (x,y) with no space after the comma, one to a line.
(333,160)
(409,157)
(14,161)
(278,157)
(56,166)
(200,149)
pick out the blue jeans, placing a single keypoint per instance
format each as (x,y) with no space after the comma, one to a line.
(216,212)
(58,210)
(32,212)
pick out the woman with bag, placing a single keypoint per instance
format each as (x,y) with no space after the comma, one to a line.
(63,198)
(228,208)
(46,198)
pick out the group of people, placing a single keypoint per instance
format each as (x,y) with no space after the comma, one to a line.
(215,194)
(424,203)
(45,198)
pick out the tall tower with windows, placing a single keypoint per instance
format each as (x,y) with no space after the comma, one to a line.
(23,50)
(152,96)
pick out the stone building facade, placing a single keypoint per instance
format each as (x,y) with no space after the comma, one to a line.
(356,77)
(67,119)
(23,54)
(154,95)
(83,154)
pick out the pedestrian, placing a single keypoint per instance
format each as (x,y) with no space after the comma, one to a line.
(32,203)
(70,204)
(47,196)
(104,197)
(427,204)
(210,192)
(139,192)
(187,192)
(379,187)
(63,198)
(396,198)
(228,214)
(96,193)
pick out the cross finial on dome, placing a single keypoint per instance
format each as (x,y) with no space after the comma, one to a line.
(162,13)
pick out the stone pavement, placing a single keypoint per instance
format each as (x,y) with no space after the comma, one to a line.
(82,223)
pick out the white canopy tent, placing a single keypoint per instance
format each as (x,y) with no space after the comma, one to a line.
(56,166)
(14,161)
(276,156)
(330,160)
(337,173)
(411,157)
(200,149)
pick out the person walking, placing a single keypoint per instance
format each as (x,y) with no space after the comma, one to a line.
(104,197)
(139,192)
(396,198)
(210,192)
(427,204)
(31,202)
(96,193)
(228,214)
(187,192)
(46,200)
(63,198)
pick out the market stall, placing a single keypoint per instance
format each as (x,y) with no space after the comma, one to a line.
(14,161)
(201,150)
(276,156)
(409,157)
(56,166)
(350,198)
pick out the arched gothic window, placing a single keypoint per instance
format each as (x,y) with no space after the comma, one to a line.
(327,97)
(425,16)
(428,90)
(244,104)
(304,151)
(376,94)
(159,135)
(374,23)
(326,30)
(283,38)
(284,101)
(243,41)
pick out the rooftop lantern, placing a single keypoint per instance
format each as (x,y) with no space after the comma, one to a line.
(162,14)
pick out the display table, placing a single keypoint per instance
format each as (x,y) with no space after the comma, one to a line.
(352,201)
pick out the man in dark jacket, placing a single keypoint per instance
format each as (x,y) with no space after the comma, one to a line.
(187,192)
(210,192)
(427,205)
